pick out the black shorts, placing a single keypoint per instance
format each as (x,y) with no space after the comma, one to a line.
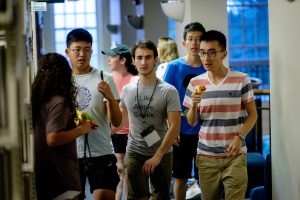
(119,142)
(102,175)
(183,156)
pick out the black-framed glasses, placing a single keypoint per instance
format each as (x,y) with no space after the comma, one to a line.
(210,53)
(77,51)
(193,39)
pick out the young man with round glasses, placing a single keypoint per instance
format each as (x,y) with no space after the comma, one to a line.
(178,73)
(96,95)
(227,112)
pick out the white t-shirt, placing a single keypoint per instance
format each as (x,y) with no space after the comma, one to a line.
(161,69)
(90,100)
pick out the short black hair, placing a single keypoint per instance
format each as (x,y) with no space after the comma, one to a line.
(214,35)
(147,44)
(194,26)
(78,34)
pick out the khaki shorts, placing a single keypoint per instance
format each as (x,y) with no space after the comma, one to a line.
(138,182)
(218,175)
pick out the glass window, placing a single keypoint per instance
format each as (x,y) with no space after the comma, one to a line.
(91,20)
(60,47)
(80,20)
(249,16)
(235,16)
(71,21)
(70,7)
(235,53)
(91,5)
(60,36)
(80,7)
(172,29)
(59,21)
(263,35)
(249,38)
(263,52)
(235,35)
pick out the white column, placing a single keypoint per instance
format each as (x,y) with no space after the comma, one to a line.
(284,29)
(212,14)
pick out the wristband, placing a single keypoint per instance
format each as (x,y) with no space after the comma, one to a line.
(241,135)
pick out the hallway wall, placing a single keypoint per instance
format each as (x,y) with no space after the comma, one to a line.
(284,29)
(211,14)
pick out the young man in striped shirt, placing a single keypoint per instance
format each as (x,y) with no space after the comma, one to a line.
(227,112)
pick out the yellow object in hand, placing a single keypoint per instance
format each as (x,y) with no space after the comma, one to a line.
(83,116)
(200,89)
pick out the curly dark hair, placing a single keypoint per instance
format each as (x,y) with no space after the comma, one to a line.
(54,77)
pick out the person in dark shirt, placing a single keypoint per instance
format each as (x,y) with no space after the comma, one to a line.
(53,113)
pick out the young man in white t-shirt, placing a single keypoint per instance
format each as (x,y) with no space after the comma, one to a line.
(97,95)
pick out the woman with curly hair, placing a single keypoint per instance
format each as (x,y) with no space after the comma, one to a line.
(53,113)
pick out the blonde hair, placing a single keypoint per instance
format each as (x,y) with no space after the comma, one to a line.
(167,49)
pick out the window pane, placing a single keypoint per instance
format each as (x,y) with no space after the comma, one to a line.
(263,35)
(60,36)
(250,53)
(236,35)
(250,16)
(71,21)
(234,2)
(235,16)
(59,21)
(172,28)
(262,15)
(263,1)
(59,8)
(263,52)
(80,20)
(95,47)
(250,35)
(91,20)
(70,7)
(80,6)
(235,54)
(250,1)
(90,6)
(94,61)
(93,32)
(60,48)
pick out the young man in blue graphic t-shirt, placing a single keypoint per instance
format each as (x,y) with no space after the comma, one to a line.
(178,73)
